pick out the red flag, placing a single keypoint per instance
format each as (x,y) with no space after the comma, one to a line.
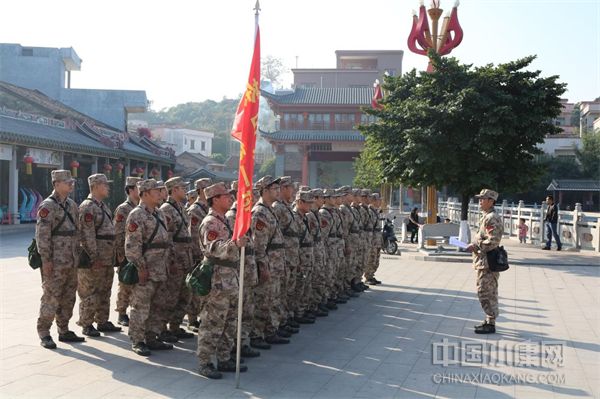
(244,130)
(378,95)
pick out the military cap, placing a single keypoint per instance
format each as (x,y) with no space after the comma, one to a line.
(61,175)
(176,182)
(375,196)
(149,184)
(304,188)
(305,196)
(328,192)
(192,194)
(285,181)
(265,182)
(365,192)
(356,192)
(98,178)
(132,180)
(487,193)
(215,190)
(316,192)
(201,184)
(344,190)
(234,185)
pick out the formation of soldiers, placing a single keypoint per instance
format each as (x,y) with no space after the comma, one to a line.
(307,251)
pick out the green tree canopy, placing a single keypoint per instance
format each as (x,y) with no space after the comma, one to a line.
(465,127)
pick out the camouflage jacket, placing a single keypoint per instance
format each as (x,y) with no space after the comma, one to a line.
(219,248)
(97,231)
(374,220)
(487,238)
(250,272)
(62,247)
(268,240)
(196,212)
(121,214)
(291,226)
(178,226)
(306,251)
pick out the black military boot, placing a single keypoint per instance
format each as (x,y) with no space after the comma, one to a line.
(157,345)
(47,342)
(229,366)
(303,320)
(331,305)
(123,320)
(181,333)
(208,371)
(247,351)
(485,328)
(193,326)
(321,313)
(108,326)
(259,343)
(168,336)
(283,333)
(141,349)
(70,336)
(90,331)
(276,340)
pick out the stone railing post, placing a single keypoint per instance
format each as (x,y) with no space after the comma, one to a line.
(577,214)
(543,210)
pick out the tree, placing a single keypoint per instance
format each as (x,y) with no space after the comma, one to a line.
(368,168)
(267,168)
(272,68)
(589,155)
(465,127)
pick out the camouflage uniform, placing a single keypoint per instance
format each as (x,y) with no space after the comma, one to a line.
(345,274)
(269,253)
(121,214)
(318,291)
(329,234)
(147,299)
(365,236)
(303,286)
(219,316)
(376,244)
(355,237)
(97,239)
(487,238)
(179,259)
(197,211)
(62,249)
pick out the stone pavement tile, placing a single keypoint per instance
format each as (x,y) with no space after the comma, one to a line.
(489,391)
(456,391)
(23,386)
(421,382)
(392,372)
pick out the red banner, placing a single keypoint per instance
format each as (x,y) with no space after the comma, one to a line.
(244,130)
(377,95)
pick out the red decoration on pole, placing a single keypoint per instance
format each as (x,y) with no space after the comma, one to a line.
(120,167)
(155,173)
(28,160)
(170,173)
(74,167)
(378,95)
(244,130)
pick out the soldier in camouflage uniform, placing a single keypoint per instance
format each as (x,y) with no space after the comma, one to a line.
(377,243)
(217,335)
(487,238)
(147,245)
(197,212)
(58,245)
(269,253)
(330,223)
(355,239)
(250,281)
(97,239)
(179,262)
(121,213)
(290,225)
(191,197)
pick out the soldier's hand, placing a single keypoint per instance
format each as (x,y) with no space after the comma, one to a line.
(142,276)
(347,251)
(97,265)
(470,248)
(47,268)
(241,242)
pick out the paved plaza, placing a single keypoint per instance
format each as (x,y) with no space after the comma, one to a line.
(411,337)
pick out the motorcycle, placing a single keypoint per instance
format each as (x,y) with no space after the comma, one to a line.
(390,245)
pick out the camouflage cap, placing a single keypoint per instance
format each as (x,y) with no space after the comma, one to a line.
(98,178)
(365,192)
(316,192)
(356,192)
(234,185)
(61,175)
(375,196)
(328,192)
(201,184)
(285,181)
(149,184)
(487,193)
(265,182)
(132,181)
(305,196)
(215,190)
(176,182)
(304,188)
(192,194)
(344,190)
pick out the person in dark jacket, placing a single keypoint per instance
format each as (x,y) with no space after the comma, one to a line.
(413,225)
(551,224)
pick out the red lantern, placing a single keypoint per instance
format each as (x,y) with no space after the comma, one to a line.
(170,173)
(120,167)
(74,167)
(155,173)
(107,169)
(28,160)
(139,171)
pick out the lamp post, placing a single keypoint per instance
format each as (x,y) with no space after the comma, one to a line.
(441,41)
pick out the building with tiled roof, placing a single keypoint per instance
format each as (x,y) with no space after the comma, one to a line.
(315,138)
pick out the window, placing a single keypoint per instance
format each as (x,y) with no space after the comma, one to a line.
(192,144)
(367,119)
(203,146)
(344,117)
(320,147)
(293,117)
(391,72)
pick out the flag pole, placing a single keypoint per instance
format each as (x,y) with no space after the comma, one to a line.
(238,354)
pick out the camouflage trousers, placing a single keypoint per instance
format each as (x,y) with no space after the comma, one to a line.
(318,277)
(218,330)
(123,298)
(487,292)
(147,305)
(373,262)
(247,314)
(341,266)
(355,246)
(58,300)
(93,287)
(195,307)
(366,248)
(178,299)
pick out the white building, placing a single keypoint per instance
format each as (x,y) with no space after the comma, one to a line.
(182,139)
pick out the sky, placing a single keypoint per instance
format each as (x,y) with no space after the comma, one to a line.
(180,51)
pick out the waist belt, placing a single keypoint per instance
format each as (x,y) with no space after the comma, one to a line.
(332,235)
(291,234)
(306,244)
(163,245)
(69,233)
(377,230)
(250,251)
(185,240)
(340,236)
(222,262)
(316,240)
(105,237)
(271,247)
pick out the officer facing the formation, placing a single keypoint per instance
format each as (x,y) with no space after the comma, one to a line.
(58,245)
(147,244)
(97,240)
(191,197)
(487,238)
(121,213)
(179,261)
(217,335)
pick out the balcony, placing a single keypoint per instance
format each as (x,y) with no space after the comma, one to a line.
(321,125)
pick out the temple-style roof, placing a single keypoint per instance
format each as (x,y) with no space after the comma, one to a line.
(313,135)
(324,96)
(574,185)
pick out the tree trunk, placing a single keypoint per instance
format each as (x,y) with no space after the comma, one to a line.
(464,234)
(464,206)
